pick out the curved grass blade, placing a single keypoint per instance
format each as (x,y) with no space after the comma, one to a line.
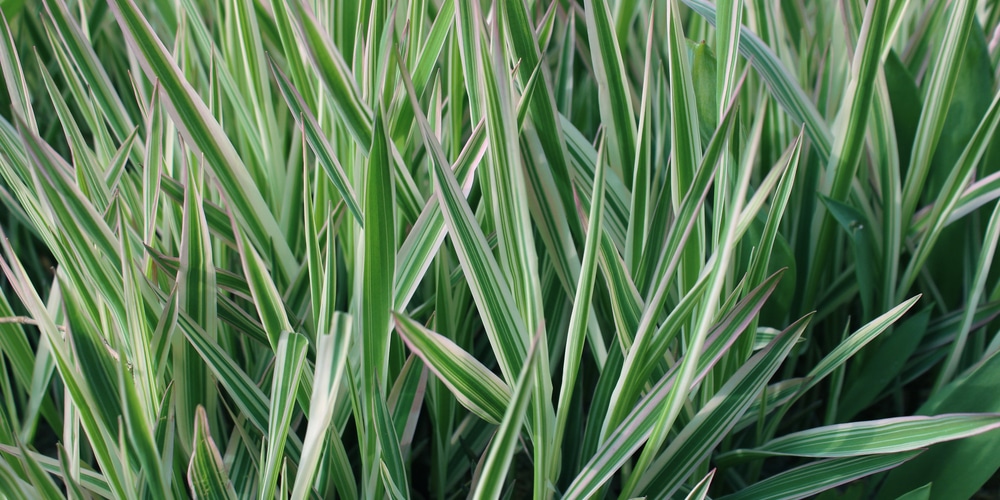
(817,477)
(851,345)
(89,480)
(890,435)
(939,92)
(266,297)
(472,384)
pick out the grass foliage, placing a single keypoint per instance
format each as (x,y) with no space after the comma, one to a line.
(449,248)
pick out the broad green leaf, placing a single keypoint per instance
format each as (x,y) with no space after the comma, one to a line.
(379,261)
(957,469)
(921,493)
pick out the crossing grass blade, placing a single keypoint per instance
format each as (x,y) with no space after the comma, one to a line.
(42,482)
(289,363)
(207,473)
(781,83)
(75,48)
(940,90)
(502,446)
(318,142)
(986,256)
(638,425)
(89,418)
(214,215)
(950,195)
(710,425)
(615,102)
(328,62)
(200,129)
(331,359)
(582,305)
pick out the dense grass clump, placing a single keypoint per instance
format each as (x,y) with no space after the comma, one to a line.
(508,248)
